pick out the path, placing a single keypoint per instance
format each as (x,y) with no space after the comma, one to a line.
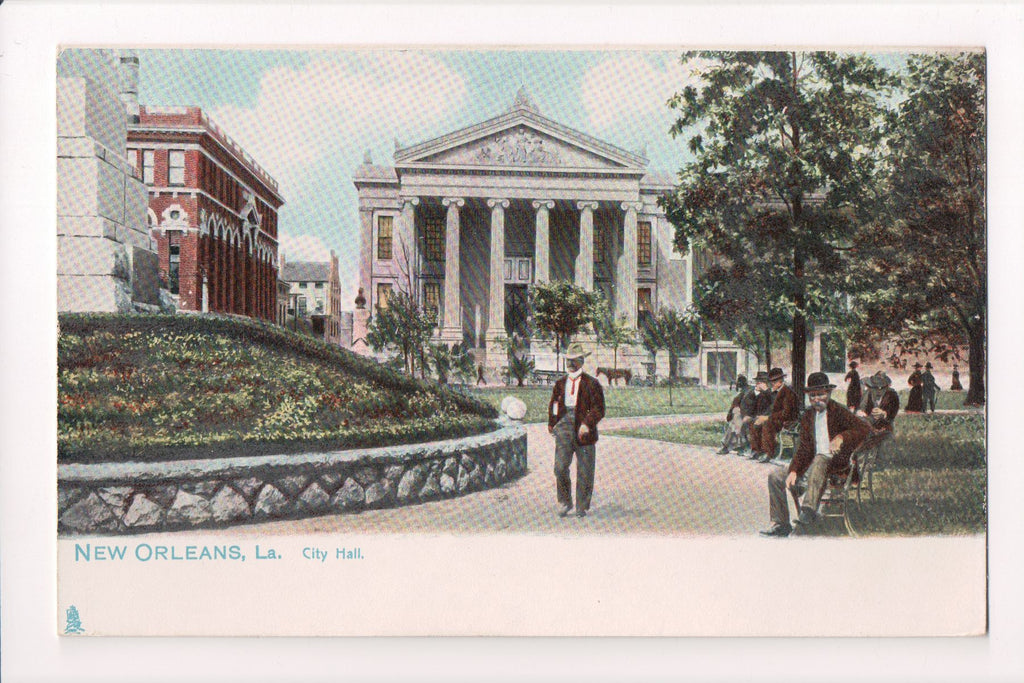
(642,487)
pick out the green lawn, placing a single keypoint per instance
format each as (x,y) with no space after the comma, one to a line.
(932,481)
(619,401)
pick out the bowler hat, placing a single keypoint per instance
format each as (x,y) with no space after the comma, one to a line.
(879,380)
(819,380)
(918,365)
(928,365)
(776,374)
(761,376)
(853,364)
(576,351)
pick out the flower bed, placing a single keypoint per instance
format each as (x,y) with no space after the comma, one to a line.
(155,388)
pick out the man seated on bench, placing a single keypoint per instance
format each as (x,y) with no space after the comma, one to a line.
(785,410)
(879,407)
(736,420)
(829,434)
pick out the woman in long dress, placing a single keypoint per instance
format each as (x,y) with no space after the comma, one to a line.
(853,392)
(915,402)
(956,386)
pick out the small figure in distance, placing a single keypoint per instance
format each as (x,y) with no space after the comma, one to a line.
(915,402)
(929,388)
(853,391)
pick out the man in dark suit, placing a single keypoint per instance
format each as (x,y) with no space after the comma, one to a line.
(785,410)
(760,405)
(829,434)
(576,406)
(879,407)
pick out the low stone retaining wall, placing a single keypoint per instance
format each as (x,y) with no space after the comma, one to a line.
(115,498)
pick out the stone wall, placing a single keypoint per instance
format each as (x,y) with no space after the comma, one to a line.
(119,498)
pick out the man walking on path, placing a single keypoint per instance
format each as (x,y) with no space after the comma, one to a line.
(928,388)
(829,434)
(576,406)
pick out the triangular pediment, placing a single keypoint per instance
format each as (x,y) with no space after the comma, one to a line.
(521,138)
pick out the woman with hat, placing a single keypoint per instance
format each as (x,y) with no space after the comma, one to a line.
(879,408)
(853,392)
(576,406)
(915,402)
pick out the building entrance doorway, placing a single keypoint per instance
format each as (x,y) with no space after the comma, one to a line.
(517,311)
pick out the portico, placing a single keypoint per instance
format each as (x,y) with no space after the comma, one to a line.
(467,221)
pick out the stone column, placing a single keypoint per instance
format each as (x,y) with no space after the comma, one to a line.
(542,241)
(405,245)
(496,305)
(626,287)
(585,260)
(451,330)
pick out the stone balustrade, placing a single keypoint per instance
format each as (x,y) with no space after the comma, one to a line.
(117,498)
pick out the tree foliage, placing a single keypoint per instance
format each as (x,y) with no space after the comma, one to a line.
(613,332)
(403,327)
(784,173)
(925,258)
(563,310)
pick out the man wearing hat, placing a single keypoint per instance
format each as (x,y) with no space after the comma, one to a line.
(736,420)
(928,387)
(577,405)
(829,434)
(762,407)
(785,410)
(879,407)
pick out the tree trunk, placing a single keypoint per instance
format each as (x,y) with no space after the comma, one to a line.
(767,349)
(976,389)
(799,359)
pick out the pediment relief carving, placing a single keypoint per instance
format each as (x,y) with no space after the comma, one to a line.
(520,146)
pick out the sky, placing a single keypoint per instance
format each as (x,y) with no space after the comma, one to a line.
(310,117)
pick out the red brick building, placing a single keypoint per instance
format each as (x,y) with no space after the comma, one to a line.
(212,210)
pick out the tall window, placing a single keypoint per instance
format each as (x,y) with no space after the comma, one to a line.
(173,266)
(643,244)
(383,294)
(148,160)
(385,224)
(302,306)
(319,305)
(432,300)
(600,246)
(643,306)
(433,245)
(176,167)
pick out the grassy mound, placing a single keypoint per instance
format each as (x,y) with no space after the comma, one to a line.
(145,388)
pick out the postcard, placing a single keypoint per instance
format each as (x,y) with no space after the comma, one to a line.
(515,339)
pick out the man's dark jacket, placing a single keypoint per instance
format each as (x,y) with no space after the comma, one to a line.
(589,406)
(840,422)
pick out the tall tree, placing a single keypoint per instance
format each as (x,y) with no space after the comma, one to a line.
(562,309)
(678,333)
(613,332)
(784,147)
(927,254)
(402,326)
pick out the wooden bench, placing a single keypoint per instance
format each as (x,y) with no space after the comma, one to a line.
(545,377)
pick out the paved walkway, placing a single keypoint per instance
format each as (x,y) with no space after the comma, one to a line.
(642,487)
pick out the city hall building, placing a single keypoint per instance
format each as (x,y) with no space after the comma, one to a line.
(469,220)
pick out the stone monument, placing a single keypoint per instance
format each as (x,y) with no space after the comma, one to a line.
(105,257)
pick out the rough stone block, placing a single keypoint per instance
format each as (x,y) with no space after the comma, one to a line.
(501,471)
(67,496)
(332,481)
(431,489)
(89,515)
(88,104)
(229,505)
(448,484)
(463,481)
(189,509)
(248,487)
(489,475)
(292,486)
(145,276)
(314,499)
(409,486)
(393,473)
(162,494)
(116,497)
(92,256)
(143,513)
(203,489)
(476,479)
(351,496)
(271,503)
(367,475)
(451,466)
(377,495)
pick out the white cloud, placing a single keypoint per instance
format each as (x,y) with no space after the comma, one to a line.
(631,89)
(341,107)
